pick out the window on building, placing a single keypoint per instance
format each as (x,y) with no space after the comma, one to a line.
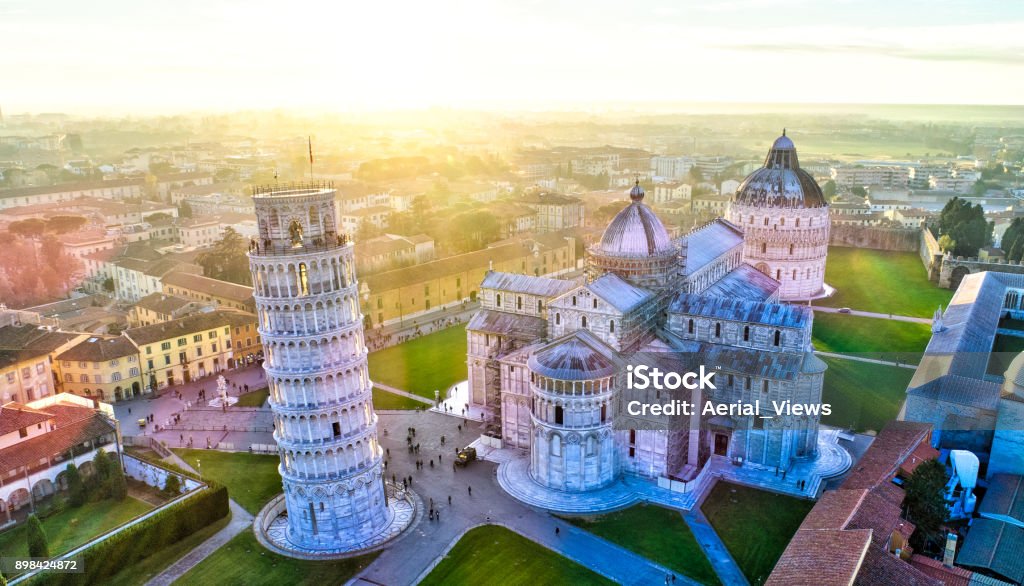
(116,376)
(149,349)
(98,379)
(84,378)
(197,338)
(68,378)
(718,330)
(764,248)
(764,386)
(558,319)
(182,341)
(746,333)
(611,326)
(574,301)
(211,334)
(519,303)
(165,346)
(583,321)
(778,337)
(336,428)
(497,300)
(303,279)
(689,326)
(23,432)
(167,359)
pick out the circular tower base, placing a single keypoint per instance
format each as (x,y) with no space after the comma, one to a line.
(271,527)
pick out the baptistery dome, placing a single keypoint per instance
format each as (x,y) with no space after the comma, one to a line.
(636,231)
(780,182)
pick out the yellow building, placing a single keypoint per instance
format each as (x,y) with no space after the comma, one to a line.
(246,347)
(200,288)
(104,368)
(161,307)
(27,353)
(401,294)
(184,349)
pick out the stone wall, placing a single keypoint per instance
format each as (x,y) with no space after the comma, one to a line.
(153,475)
(931,254)
(953,270)
(874,237)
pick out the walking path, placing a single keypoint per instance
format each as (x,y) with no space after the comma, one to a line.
(863,359)
(907,318)
(412,396)
(241,521)
(714,549)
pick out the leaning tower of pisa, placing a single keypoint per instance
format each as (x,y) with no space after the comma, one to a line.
(305,288)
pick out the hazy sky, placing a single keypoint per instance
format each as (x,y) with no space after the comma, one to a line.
(146,56)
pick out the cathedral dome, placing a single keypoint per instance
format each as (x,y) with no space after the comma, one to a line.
(636,231)
(780,182)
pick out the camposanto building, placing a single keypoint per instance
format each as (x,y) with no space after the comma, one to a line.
(547,357)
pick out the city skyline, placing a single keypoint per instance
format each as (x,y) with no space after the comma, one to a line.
(228,56)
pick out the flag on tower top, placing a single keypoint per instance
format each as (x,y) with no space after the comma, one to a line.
(310,139)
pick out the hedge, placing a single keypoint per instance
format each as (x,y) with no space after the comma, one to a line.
(165,528)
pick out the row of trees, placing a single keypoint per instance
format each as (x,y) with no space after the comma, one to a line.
(35,269)
(962,228)
(227,259)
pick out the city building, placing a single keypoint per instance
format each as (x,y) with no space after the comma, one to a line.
(671,167)
(406,293)
(890,177)
(116,189)
(555,212)
(27,352)
(785,221)
(165,184)
(391,251)
(671,192)
(206,290)
(39,439)
(856,534)
(160,307)
(184,349)
(320,390)
(104,368)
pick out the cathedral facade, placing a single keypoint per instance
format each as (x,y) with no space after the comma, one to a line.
(548,358)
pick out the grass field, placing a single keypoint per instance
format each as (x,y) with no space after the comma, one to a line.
(390,401)
(870,337)
(755,525)
(244,561)
(863,396)
(254,398)
(252,479)
(420,366)
(882,282)
(656,533)
(74,526)
(495,555)
(145,569)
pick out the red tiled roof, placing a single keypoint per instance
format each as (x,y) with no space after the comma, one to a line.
(935,569)
(880,567)
(922,453)
(891,448)
(74,425)
(824,558)
(14,416)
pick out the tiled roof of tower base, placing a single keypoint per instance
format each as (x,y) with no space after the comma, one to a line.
(576,356)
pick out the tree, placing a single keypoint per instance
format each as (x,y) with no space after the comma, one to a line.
(102,465)
(859,191)
(227,259)
(117,485)
(30,228)
(1012,238)
(76,488)
(926,502)
(829,189)
(65,224)
(966,225)
(157,217)
(108,284)
(38,547)
(184,209)
(946,244)
(696,175)
(172,485)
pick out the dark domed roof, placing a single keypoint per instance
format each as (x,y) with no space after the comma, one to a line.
(780,183)
(572,358)
(636,231)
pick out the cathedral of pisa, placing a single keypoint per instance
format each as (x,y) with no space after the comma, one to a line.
(547,357)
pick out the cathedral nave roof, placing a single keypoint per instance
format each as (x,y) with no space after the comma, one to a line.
(772,314)
(708,243)
(508,324)
(618,293)
(526,284)
(744,282)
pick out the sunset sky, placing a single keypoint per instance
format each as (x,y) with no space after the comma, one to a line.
(128,56)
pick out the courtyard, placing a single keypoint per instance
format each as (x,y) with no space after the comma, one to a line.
(755,525)
(882,282)
(251,479)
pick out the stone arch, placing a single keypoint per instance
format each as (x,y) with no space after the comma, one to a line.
(958,275)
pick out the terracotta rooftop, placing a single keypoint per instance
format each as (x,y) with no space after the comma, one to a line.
(14,416)
(74,425)
(212,287)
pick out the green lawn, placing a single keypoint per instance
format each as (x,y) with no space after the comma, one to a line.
(755,525)
(1004,350)
(144,570)
(251,479)
(656,533)
(390,401)
(244,561)
(253,398)
(72,527)
(870,337)
(863,396)
(495,555)
(420,366)
(882,282)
